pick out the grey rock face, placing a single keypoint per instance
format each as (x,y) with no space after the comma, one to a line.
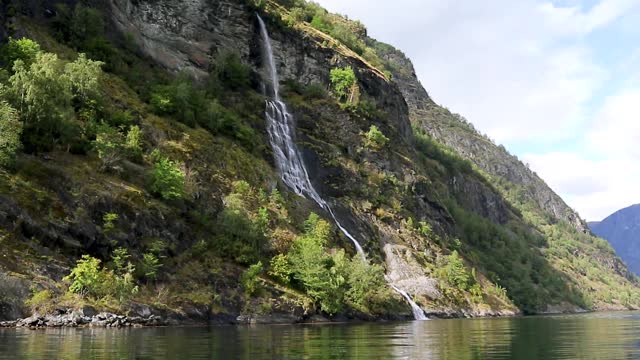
(188,35)
(13,292)
(405,273)
(455,132)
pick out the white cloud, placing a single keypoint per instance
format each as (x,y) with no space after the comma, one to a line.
(527,73)
(605,176)
(616,129)
(514,68)
(571,19)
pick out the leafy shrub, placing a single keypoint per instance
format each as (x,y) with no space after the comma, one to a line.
(79,26)
(365,109)
(42,93)
(476,293)
(343,81)
(375,139)
(334,281)
(90,280)
(314,91)
(311,266)
(113,145)
(167,179)
(108,221)
(220,120)
(180,99)
(425,229)
(368,291)
(498,291)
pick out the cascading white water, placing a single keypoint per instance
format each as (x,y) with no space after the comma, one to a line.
(418,313)
(281,136)
(280,127)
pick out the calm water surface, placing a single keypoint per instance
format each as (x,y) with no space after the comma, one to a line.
(590,336)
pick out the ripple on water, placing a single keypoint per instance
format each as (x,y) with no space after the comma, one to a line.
(588,336)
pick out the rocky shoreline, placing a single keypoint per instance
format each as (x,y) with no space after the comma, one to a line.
(77,318)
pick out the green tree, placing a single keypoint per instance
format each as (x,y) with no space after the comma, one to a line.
(23,49)
(368,290)
(120,282)
(242,235)
(319,274)
(150,266)
(343,81)
(280,269)
(133,144)
(120,258)
(43,98)
(250,278)
(83,76)
(454,272)
(10,131)
(85,277)
(110,146)
(230,73)
(167,179)
(39,87)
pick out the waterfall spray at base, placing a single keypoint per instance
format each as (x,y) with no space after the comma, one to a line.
(280,127)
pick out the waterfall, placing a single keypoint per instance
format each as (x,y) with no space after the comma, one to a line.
(418,313)
(281,129)
(288,160)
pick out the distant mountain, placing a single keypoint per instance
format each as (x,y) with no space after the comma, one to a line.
(622,230)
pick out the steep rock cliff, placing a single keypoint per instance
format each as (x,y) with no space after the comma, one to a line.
(414,205)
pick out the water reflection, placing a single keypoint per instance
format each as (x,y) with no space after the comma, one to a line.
(592,336)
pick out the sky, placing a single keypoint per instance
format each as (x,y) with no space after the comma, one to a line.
(556,82)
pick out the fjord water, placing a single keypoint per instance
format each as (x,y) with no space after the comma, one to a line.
(588,336)
(281,129)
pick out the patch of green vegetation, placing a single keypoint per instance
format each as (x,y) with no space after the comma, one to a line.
(23,49)
(116,112)
(10,131)
(89,279)
(166,178)
(335,281)
(451,162)
(375,139)
(343,81)
(352,34)
(41,302)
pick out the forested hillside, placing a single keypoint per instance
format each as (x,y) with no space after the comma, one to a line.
(137,172)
